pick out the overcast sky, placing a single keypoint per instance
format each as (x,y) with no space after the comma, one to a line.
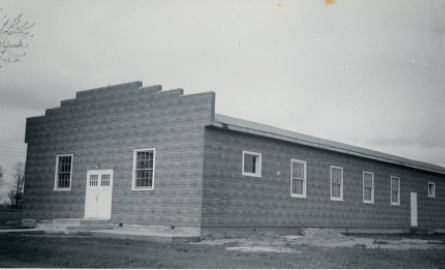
(366,73)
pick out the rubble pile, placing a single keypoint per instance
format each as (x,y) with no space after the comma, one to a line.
(319,235)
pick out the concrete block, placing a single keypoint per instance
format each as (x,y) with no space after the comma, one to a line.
(67,221)
(105,125)
(266,201)
(94,221)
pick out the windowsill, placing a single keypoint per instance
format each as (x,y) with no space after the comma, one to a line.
(370,202)
(431,196)
(142,189)
(62,189)
(251,174)
(337,199)
(298,196)
(396,204)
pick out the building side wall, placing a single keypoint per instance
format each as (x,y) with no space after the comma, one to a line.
(104,126)
(232,200)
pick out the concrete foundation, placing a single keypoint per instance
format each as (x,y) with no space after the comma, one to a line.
(233,232)
(158,228)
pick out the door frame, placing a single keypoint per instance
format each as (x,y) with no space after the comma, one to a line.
(411,209)
(99,172)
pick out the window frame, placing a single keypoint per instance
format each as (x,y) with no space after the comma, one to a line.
(372,189)
(341,184)
(294,195)
(398,193)
(434,190)
(56,176)
(133,181)
(258,166)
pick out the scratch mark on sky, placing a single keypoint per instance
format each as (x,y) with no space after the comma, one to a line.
(329,2)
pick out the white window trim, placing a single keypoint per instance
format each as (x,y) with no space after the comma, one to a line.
(372,189)
(293,195)
(434,190)
(133,182)
(258,166)
(390,189)
(56,178)
(330,183)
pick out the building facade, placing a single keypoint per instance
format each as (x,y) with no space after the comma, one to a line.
(140,156)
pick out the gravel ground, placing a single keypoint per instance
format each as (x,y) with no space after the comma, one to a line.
(269,242)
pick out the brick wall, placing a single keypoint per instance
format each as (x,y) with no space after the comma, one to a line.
(232,200)
(104,126)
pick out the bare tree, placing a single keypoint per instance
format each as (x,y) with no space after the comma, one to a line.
(12,198)
(3,187)
(11,35)
(16,194)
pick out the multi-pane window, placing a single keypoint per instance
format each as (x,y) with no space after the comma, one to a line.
(94,180)
(64,165)
(298,178)
(368,187)
(251,164)
(143,169)
(395,190)
(431,189)
(105,180)
(336,183)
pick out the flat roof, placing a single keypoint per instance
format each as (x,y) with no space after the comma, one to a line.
(240,125)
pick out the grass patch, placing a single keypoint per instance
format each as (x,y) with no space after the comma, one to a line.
(59,252)
(10,219)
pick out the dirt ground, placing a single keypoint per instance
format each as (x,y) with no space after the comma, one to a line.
(269,242)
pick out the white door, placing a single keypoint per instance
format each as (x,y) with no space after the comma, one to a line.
(413,209)
(98,194)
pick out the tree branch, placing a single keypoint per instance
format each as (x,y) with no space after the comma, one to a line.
(14,29)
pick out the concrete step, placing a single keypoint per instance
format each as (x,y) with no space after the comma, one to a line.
(45,221)
(146,236)
(57,225)
(86,229)
(94,221)
(67,221)
(52,227)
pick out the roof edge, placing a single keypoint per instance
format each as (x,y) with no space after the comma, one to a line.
(232,127)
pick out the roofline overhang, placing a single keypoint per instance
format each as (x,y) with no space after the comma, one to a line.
(272,135)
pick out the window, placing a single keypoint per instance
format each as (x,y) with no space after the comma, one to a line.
(431,190)
(336,183)
(395,190)
(298,178)
(143,169)
(251,164)
(368,187)
(64,168)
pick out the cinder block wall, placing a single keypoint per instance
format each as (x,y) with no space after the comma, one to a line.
(232,200)
(104,126)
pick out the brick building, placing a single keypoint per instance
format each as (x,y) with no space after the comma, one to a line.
(142,157)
